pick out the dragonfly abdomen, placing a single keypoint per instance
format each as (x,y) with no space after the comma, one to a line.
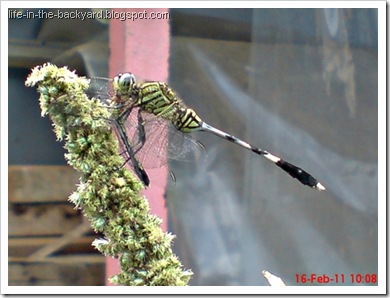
(294,171)
(186,120)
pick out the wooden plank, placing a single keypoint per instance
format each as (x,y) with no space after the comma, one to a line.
(67,238)
(56,274)
(42,220)
(27,184)
(76,258)
(25,246)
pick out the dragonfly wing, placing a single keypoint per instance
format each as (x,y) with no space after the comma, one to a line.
(100,88)
(162,141)
(183,147)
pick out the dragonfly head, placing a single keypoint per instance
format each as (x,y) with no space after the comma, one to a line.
(123,83)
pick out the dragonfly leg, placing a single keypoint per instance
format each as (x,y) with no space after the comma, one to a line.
(138,169)
(141,132)
(140,126)
(125,114)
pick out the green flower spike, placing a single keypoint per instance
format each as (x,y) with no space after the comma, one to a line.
(108,193)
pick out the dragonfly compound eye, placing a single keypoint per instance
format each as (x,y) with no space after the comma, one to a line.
(124,82)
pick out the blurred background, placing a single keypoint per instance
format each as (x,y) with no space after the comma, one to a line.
(300,83)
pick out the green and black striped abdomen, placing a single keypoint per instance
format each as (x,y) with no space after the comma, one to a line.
(186,120)
(160,100)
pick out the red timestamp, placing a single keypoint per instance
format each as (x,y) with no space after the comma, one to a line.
(337,278)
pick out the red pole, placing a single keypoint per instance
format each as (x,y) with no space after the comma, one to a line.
(141,46)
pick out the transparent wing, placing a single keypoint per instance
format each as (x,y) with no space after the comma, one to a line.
(100,88)
(162,141)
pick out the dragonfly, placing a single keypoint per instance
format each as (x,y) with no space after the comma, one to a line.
(155,102)
(145,139)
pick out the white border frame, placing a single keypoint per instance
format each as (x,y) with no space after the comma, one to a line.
(382,131)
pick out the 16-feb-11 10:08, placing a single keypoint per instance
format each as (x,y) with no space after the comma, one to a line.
(337,278)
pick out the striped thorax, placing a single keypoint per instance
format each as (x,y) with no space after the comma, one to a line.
(159,99)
